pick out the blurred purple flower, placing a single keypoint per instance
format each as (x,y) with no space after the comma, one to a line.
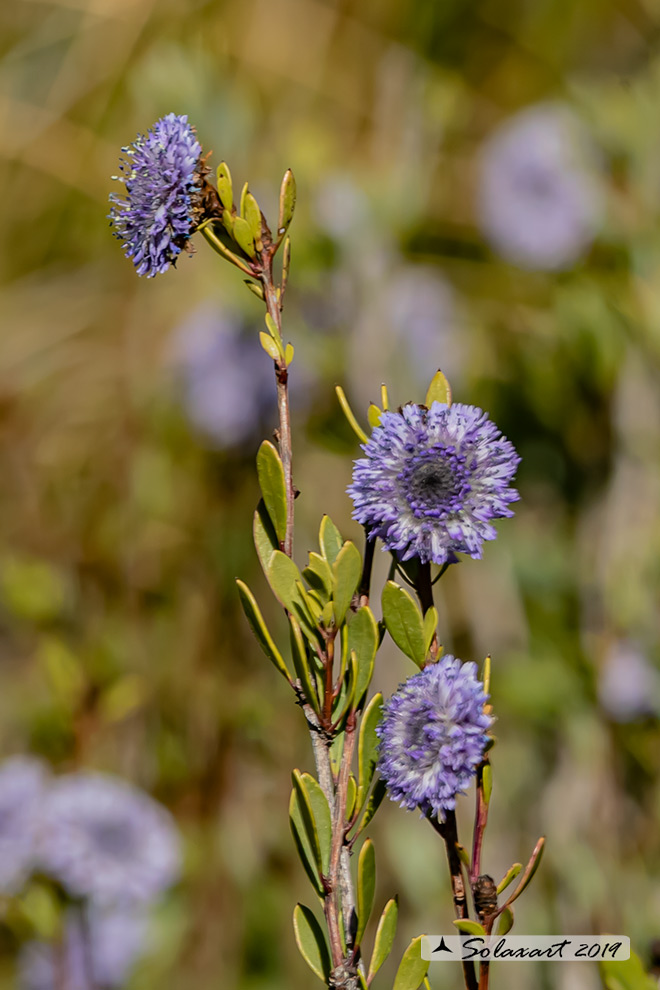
(432,736)
(106,840)
(628,686)
(538,204)
(96,954)
(227,380)
(433,480)
(161,174)
(23,781)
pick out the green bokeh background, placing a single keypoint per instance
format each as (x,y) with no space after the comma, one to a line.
(122,646)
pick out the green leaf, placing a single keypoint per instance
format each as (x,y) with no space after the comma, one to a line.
(260,629)
(301,664)
(366,887)
(384,938)
(256,289)
(404,622)
(368,746)
(321,817)
(243,236)
(346,697)
(311,942)
(319,575)
(346,572)
(269,345)
(625,974)
(351,796)
(372,805)
(225,186)
(288,354)
(363,639)
(308,818)
(330,540)
(439,390)
(302,842)
(270,472)
(508,877)
(487,782)
(430,626)
(286,582)
(252,215)
(336,750)
(530,870)
(412,968)
(463,855)
(265,537)
(469,927)
(287,201)
(505,921)
(241,206)
(374,414)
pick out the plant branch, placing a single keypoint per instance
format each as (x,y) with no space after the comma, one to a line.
(448,831)
(273,307)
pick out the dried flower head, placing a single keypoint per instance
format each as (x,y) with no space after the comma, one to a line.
(432,481)
(162,173)
(104,839)
(432,736)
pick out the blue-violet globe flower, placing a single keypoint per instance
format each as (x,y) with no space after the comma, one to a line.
(432,481)
(432,736)
(162,173)
(108,841)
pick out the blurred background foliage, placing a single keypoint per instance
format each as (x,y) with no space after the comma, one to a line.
(127,464)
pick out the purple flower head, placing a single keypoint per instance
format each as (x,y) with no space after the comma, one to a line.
(432,736)
(538,203)
(432,481)
(226,379)
(104,839)
(95,955)
(162,176)
(629,684)
(23,782)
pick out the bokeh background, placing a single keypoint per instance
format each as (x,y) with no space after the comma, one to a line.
(479,190)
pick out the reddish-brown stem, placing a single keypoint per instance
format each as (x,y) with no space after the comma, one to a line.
(329,692)
(480,822)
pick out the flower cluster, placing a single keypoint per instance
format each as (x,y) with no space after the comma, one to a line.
(110,848)
(538,204)
(162,174)
(432,481)
(433,734)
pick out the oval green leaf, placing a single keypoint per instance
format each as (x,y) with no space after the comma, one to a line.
(301,664)
(330,540)
(363,640)
(505,921)
(366,887)
(469,927)
(270,472)
(346,571)
(384,938)
(302,842)
(509,877)
(412,968)
(404,622)
(265,537)
(243,236)
(287,201)
(368,747)
(260,629)
(311,942)
(225,186)
(322,817)
(373,804)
